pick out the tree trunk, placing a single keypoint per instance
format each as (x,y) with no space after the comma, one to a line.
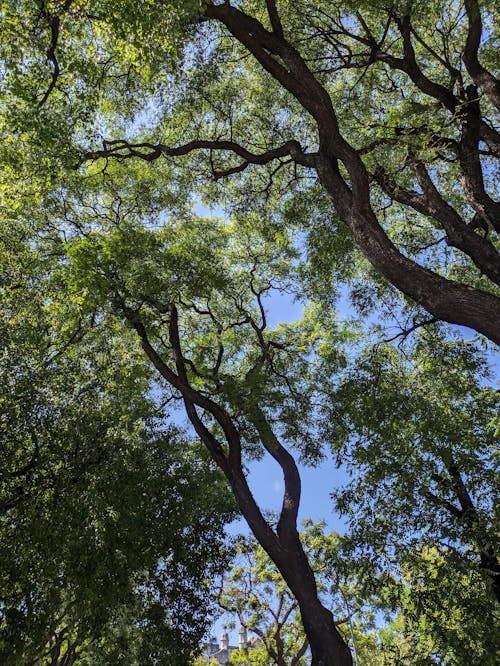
(328,648)
(283,545)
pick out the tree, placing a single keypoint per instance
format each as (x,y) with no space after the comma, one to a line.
(392,112)
(429,627)
(418,433)
(395,102)
(109,521)
(256,594)
(194,292)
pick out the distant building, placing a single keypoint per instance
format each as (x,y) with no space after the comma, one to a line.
(221,651)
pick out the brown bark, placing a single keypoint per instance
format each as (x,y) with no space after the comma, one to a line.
(450,301)
(481,77)
(458,234)
(283,545)
(445,299)
(472,172)
(468,513)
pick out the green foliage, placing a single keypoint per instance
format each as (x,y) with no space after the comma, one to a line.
(454,628)
(251,657)
(403,424)
(415,431)
(102,502)
(109,522)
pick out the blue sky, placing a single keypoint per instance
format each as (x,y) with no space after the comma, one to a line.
(266,483)
(265,476)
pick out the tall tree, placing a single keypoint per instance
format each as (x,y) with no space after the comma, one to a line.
(194,292)
(418,432)
(381,110)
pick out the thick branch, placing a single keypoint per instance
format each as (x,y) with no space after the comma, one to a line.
(294,75)
(445,504)
(472,173)
(54,23)
(449,301)
(287,525)
(224,420)
(188,393)
(437,91)
(409,65)
(148,151)
(481,77)
(489,560)
(431,204)
(272,10)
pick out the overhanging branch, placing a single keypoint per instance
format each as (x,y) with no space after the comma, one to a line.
(122,149)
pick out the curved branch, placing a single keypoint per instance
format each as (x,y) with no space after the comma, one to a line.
(481,77)
(122,149)
(431,204)
(54,23)
(447,300)
(294,75)
(409,65)
(188,393)
(287,525)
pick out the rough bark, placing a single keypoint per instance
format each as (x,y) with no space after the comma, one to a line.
(448,300)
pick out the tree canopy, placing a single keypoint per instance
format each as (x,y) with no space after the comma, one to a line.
(351,150)
(110,523)
(387,107)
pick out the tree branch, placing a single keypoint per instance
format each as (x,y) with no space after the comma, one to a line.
(122,149)
(481,77)
(472,172)
(274,18)
(407,331)
(287,524)
(54,23)
(431,204)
